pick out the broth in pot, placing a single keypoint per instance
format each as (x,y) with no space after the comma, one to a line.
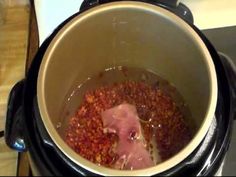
(127,118)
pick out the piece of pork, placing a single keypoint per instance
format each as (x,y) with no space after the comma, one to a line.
(123,120)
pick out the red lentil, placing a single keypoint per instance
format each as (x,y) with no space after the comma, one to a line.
(85,131)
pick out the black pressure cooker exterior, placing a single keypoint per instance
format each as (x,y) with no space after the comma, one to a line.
(25,130)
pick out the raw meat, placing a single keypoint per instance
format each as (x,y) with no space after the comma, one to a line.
(123,120)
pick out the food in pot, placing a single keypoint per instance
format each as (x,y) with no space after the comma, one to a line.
(131,149)
(134,122)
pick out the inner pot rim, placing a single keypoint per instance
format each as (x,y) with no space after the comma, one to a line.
(76,158)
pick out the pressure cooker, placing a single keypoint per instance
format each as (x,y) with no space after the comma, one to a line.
(153,35)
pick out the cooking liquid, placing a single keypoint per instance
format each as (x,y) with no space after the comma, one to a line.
(150,125)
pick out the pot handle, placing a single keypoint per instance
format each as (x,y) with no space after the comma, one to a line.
(230,69)
(14,128)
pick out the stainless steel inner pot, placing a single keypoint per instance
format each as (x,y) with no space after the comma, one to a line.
(132,34)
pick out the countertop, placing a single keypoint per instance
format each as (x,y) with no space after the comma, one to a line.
(13,49)
(207,14)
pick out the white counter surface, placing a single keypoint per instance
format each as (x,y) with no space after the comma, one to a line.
(207,13)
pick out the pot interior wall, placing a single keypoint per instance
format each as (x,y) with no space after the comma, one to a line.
(131,37)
